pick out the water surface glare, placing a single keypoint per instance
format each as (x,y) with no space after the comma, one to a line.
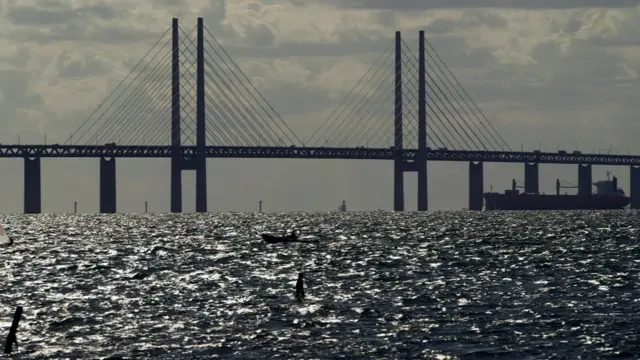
(446,285)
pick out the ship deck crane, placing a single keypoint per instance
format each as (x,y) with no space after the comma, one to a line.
(516,184)
(564,185)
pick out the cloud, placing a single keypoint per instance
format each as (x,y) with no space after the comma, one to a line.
(561,72)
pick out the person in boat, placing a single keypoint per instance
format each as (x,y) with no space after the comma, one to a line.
(293,235)
(300,287)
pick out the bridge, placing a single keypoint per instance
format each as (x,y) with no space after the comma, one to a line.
(408,108)
(293,152)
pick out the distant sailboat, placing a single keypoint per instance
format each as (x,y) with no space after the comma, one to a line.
(4,238)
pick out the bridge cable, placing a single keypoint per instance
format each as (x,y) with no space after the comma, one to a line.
(129,111)
(361,116)
(341,105)
(413,112)
(244,119)
(242,100)
(466,119)
(363,102)
(439,94)
(412,93)
(223,110)
(217,137)
(500,144)
(136,106)
(299,142)
(367,94)
(434,104)
(370,122)
(444,65)
(117,87)
(134,112)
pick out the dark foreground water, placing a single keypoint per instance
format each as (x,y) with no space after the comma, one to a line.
(453,285)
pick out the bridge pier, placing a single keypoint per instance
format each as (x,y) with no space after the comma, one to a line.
(176,184)
(32,186)
(476,185)
(634,187)
(531,178)
(584,179)
(398,184)
(107,185)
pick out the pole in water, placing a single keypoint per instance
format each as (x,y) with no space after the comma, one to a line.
(75,207)
(146,207)
(300,287)
(12,338)
(260,206)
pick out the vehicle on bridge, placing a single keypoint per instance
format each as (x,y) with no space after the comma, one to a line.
(608,196)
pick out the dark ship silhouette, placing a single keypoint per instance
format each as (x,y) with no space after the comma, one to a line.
(608,196)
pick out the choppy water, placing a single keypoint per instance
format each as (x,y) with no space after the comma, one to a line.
(379,286)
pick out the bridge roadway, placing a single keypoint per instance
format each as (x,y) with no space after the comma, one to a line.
(124,151)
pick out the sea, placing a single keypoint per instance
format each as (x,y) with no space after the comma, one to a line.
(379,285)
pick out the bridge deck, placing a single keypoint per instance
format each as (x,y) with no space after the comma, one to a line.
(118,151)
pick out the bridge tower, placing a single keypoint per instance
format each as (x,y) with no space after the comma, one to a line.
(400,165)
(197,160)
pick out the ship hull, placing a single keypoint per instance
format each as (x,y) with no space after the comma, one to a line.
(497,201)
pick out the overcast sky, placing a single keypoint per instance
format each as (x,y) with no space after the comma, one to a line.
(550,72)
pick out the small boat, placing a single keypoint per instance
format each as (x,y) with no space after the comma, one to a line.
(271,239)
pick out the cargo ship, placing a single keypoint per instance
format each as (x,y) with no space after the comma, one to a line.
(608,196)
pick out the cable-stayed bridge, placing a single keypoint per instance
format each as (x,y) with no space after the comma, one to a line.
(187,100)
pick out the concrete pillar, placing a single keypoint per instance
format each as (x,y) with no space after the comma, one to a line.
(107,186)
(531,178)
(476,185)
(32,186)
(584,179)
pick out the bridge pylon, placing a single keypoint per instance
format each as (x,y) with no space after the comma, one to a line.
(196,161)
(400,165)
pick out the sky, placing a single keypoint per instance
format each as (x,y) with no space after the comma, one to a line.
(550,74)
